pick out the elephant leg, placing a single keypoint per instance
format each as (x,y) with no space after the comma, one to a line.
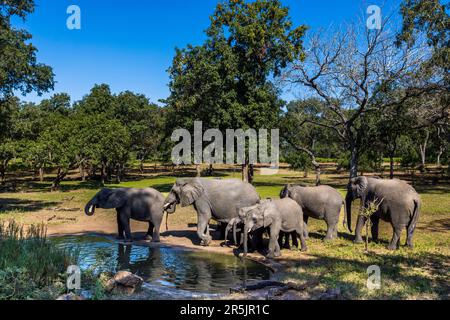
(409,237)
(300,234)
(156,229)
(359,226)
(274,248)
(287,241)
(203,229)
(330,231)
(149,234)
(305,227)
(374,228)
(281,238)
(393,245)
(125,221)
(294,239)
(119,227)
(222,227)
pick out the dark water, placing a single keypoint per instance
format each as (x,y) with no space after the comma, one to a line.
(167,272)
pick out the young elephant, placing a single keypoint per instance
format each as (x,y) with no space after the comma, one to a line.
(255,237)
(322,202)
(138,204)
(278,215)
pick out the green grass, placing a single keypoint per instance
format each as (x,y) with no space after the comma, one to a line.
(30,265)
(421,273)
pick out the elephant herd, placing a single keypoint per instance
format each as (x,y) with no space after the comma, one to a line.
(236,206)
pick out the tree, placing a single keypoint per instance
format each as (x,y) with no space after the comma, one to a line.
(302,135)
(9,111)
(145,123)
(348,72)
(19,69)
(227,80)
(429,18)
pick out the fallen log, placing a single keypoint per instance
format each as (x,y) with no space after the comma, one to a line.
(278,288)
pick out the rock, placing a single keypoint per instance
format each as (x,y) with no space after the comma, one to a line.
(70,297)
(331,294)
(128,279)
(124,282)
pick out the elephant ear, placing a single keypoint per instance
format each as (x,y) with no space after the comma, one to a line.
(190,192)
(361,185)
(267,218)
(116,199)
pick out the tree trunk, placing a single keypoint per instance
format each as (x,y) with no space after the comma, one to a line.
(251,171)
(41,174)
(245,172)
(317,168)
(141,166)
(102,173)
(423,151)
(3,167)
(391,167)
(439,155)
(354,163)
(82,173)
(2,176)
(57,181)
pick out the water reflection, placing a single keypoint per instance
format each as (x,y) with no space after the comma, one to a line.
(166,266)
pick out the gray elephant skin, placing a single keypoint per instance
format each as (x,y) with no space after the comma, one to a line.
(283,215)
(255,238)
(321,202)
(212,199)
(131,203)
(400,206)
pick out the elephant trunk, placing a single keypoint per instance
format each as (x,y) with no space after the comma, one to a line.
(234,234)
(90,208)
(227,230)
(245,238)
(348,208)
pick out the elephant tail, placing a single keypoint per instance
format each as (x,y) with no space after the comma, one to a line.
(415,216)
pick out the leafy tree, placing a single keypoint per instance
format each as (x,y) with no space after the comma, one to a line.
(303,136)
(226,82)
(19,69)
(144,122)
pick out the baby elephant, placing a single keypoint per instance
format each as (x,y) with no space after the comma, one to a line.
(278,215)
(138,204)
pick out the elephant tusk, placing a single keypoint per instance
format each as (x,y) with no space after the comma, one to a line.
(166,206)
(91,209)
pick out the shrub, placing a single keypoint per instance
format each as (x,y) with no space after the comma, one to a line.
(29,262)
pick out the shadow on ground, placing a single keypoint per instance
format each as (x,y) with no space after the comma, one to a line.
(21,205)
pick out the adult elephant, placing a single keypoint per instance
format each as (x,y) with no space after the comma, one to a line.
(131,203)
(212,198)
(321,202)
(400,205)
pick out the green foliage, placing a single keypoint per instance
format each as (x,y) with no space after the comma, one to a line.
(298,161)
(29,262)
(19,69)
(226,81)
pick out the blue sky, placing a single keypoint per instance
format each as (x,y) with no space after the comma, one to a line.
(130,44)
